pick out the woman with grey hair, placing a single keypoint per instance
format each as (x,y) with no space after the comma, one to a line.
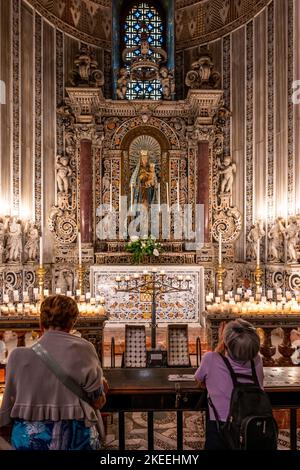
(239,342)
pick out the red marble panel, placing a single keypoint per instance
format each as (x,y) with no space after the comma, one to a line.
(86,191)
(203,184)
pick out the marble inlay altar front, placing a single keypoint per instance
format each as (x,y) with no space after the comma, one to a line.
(129,307)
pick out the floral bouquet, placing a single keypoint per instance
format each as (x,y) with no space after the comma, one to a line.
(143,246)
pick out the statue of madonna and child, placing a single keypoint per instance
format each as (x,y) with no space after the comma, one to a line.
(143,182)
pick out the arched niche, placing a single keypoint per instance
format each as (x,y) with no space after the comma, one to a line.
(158,146)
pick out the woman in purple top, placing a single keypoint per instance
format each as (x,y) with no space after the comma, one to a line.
(240,343)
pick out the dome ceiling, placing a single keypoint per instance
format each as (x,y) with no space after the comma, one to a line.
(202,21)
(87,20)
(197,21)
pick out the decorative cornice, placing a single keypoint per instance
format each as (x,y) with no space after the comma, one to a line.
(199,103)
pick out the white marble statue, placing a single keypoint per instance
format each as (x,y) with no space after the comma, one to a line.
(14,240)
(292,238)
(256,233)
(227,170)
(276,239)
(167,83)
(65,281)
(32,241)
(122,83)
(63,173)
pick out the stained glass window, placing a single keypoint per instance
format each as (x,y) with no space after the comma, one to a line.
(143,17)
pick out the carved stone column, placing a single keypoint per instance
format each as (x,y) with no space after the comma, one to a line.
(86,191)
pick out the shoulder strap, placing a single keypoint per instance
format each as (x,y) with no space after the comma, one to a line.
(216,414)
(51,363)
(254,374)
(230,368)
(234,376)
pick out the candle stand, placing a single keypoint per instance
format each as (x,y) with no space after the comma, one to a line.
(156,284)
(220,271)
(258,273)
(80,276)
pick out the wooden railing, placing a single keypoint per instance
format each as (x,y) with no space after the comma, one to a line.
(148,391)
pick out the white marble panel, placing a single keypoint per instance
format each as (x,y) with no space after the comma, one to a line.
(185,307)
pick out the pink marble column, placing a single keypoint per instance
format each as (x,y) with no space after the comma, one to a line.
(203,184)
(86,191)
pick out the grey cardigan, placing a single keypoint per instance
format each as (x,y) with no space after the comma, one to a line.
(32,391)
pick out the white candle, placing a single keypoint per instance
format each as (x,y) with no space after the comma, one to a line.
(270,294)
(258,251)
(79,249)
(110,197)
(16,295)
(41,251)
(131,197)
(178,202)
(167,191)
(120,199)
(158,196)
(220,249)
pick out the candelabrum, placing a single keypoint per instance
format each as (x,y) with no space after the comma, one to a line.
(220,272)
(80,276)
(41,272)
(155,284)
(258,273)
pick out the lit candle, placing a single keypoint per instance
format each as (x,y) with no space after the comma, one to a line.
(110,197)
(79,249)
(220,249)
(41,251)
(258,251)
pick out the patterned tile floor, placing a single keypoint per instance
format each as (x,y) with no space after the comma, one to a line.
(165,434)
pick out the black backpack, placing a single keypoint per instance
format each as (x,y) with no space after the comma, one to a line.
(250,423)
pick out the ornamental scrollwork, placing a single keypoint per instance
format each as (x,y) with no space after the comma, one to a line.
(202,75)
(86,72)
